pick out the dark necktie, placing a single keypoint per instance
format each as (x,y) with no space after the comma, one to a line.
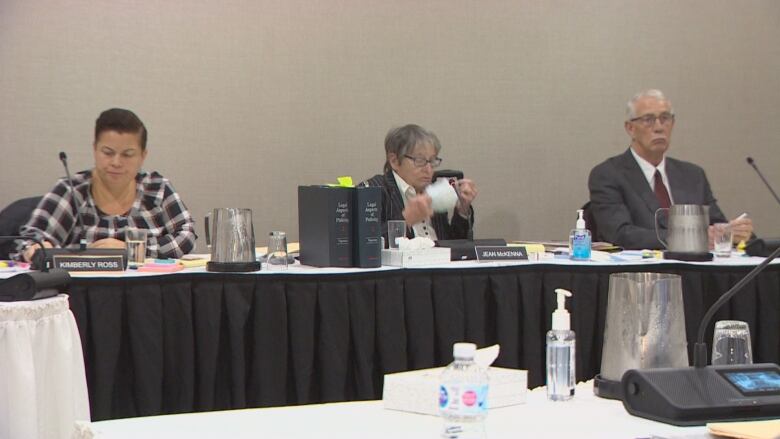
(660,191)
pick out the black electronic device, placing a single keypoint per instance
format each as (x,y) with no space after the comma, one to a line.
(448,173)
(32,285)
(696,395)
(758,246)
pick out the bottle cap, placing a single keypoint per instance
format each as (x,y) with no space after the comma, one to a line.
(464,350)
(580,219)
(560,317)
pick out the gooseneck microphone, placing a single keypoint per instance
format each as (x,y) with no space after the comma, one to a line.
(79,219)
(752,163)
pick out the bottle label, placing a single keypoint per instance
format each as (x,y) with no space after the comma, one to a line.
(580,246)
(463,399)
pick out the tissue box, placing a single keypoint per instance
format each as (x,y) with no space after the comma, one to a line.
(417,391)
(415,258)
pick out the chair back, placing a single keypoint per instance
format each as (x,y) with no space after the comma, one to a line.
(12,218)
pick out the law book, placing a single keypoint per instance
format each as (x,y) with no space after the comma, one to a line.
(367,223)
(325,225)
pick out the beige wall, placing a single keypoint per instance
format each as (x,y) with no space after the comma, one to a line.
(245,100)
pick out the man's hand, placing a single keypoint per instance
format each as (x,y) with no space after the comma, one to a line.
(467,191)
(29,251)
(418,208)
(742,229)
(107,243)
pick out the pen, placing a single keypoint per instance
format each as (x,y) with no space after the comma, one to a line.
(743,216)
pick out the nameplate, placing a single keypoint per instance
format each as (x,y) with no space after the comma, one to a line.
(89,262)
(501,253)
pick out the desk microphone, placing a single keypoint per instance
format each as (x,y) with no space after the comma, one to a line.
(752,163)
(79,219)
(33,285)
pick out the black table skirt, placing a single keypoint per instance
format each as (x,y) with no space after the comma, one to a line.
(197,342)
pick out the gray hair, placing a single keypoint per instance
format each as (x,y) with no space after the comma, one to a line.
(652,93)
(403,140)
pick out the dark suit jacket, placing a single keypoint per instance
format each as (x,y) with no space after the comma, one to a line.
(393,206)
(624,205)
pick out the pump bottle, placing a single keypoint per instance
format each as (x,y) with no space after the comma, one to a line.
(579,239)
(560,353)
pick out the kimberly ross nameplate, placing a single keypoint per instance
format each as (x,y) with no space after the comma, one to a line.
(89,262)
(500,253)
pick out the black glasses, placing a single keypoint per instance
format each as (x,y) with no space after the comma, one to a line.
(421,162)
(648,120)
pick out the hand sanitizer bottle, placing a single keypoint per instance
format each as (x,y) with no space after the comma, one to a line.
(579,240)
(560,353)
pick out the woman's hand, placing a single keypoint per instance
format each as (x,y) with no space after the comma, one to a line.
(30,251)
(107,243)
(418,209)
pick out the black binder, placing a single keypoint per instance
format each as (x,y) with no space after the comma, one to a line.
(325,225)
(367,225)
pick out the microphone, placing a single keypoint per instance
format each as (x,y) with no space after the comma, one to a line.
(33,285)
(79,219)
(752,163)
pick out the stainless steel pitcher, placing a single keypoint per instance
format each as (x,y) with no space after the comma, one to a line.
(645,327)
(232,240)
(687,228)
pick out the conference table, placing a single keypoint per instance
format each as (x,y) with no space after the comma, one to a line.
(200,341)
(584,417)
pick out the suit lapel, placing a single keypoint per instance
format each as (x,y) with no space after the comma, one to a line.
(396,202)
(635,177)
(677,183)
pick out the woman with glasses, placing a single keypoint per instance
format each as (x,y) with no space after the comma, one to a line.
(412,154)
(113,196)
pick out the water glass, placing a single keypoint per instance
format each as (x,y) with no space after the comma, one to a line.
(731,343)
(277,251)
(395,229)
(722,239)
(135,242)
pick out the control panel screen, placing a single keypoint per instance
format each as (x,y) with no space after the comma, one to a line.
(756,382)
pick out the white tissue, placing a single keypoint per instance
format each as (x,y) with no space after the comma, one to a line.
(418,243)
(486,356)
(443,195)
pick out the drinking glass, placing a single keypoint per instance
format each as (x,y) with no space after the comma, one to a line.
(722,239)
(277,251)
(395,229)
(135,241)
(731,343)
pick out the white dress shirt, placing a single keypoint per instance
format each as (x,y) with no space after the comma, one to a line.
(649,170)
(423,228)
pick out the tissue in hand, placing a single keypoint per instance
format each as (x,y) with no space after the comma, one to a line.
(443,195)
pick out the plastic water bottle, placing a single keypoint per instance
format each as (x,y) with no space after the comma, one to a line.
(463,395)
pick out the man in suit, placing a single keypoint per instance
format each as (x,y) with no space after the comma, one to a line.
(626,190)
(412,153)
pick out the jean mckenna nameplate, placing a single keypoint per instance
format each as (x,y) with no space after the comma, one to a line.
(501,253)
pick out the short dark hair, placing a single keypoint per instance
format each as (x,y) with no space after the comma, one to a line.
(122,121)
(402,140)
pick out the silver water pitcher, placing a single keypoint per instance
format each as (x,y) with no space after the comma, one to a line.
(231,237)
(687,228)
(645,327)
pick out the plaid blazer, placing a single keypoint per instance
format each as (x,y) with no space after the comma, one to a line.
(393,206)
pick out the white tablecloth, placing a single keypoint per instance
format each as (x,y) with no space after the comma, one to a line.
(586,416)
(43,388)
